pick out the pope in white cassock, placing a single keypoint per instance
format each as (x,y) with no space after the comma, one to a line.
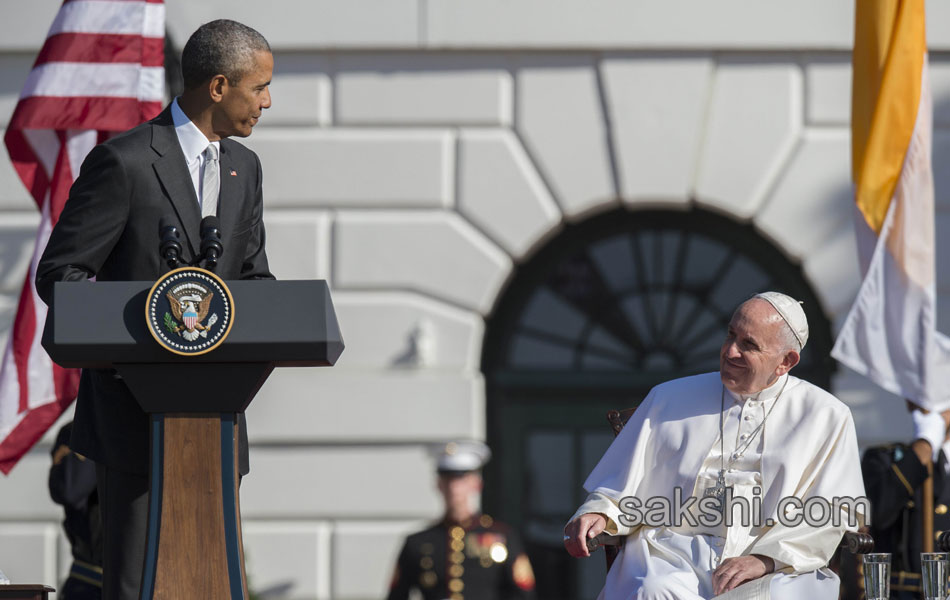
(751,430)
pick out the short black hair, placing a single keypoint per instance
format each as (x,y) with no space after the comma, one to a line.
(221,47)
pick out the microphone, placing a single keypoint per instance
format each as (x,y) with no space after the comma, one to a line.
(211,247)
(169,248)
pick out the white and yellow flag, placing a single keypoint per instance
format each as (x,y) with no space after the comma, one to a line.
(890,335)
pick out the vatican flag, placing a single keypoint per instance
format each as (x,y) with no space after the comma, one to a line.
(890,335)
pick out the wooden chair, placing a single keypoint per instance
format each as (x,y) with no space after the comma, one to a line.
(853,542)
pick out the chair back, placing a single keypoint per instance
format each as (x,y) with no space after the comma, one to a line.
(617,420)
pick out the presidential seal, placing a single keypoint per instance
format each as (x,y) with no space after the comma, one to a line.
(189,311)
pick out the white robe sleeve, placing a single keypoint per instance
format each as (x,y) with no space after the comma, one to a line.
(833,473)
(620,470)
(601,504)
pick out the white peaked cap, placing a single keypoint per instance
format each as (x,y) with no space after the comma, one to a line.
(791,310)
(463,456)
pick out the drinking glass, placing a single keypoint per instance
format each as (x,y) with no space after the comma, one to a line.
(934,570)
(877,576)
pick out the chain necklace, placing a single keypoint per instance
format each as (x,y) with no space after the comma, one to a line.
(719,490)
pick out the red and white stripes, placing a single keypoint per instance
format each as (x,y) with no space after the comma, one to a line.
(99,72)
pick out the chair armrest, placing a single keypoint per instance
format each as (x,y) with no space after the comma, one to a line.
(604,539)
(857,542)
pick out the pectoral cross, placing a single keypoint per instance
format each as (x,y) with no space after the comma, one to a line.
(718,491)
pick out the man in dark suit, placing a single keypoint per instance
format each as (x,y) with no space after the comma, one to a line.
(180,165)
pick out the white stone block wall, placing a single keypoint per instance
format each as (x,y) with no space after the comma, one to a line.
(753,121)
(657,104)
(415,153)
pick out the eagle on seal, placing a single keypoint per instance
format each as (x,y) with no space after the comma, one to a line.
(191,310)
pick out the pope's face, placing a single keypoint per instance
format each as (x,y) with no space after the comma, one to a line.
(753,354)
(243,102)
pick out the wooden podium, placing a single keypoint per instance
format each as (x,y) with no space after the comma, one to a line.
(194,548)
(25,592)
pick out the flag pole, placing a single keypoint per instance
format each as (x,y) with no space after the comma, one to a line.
(927,508)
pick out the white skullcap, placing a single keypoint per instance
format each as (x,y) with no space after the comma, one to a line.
(463,456)
(790,309)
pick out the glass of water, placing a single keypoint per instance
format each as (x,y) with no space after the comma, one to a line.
(933,574)
(877,576)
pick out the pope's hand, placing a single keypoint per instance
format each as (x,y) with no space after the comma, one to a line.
(735,571)
(580,530)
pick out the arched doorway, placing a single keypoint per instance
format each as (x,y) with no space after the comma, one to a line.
(603,312)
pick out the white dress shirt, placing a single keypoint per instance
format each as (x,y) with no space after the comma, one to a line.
(193,144)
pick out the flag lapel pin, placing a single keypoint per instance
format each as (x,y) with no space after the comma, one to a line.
(233,173)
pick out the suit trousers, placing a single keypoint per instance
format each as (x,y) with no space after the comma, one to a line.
(123,501)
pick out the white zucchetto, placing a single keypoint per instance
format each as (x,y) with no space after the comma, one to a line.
(790,309)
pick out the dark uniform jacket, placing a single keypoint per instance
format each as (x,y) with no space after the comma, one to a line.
(478,560)
(893,477)
(72,484)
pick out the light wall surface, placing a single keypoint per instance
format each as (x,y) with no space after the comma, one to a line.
(518,24)
(416,152)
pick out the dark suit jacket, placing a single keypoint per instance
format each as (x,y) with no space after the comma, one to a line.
(109,229)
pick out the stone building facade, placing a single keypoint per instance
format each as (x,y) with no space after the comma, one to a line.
(460,172)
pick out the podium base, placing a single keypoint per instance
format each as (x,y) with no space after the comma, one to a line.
(194,548)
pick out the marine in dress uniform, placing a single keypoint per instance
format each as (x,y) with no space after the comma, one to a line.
(466,554)
(893,477)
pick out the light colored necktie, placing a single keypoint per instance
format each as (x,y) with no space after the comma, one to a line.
(210,183)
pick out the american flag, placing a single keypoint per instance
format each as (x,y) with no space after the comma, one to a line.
(99,72)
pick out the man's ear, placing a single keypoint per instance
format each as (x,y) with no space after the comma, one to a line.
(790,359)
(217,87)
